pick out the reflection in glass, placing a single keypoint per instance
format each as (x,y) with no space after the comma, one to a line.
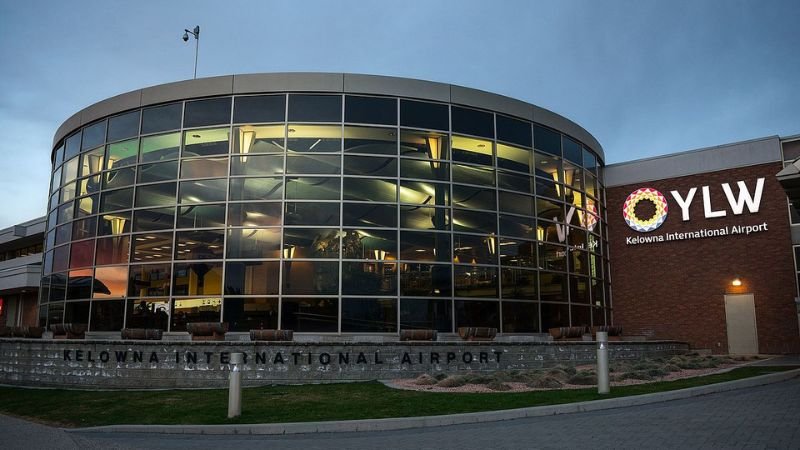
(371,141)
(553,287)
(81,229)
(474,221)
(431,314)
(204,168)
(197,278)
(161,147)
(304,315)
(153,219)
(370,189)
(252,278)
(473,151)
(165,171)
(70,170)
(267,188)
(155,194)
(369,215)
(475,281)
(212,141)
(475,249)
(515,182)
(152,313)
(358,109)
(370,166)
(161,118)
(516,204)
(58,287)
(81,254)
(204,112)
(314,138)
(424,193)
(122,154)
(315,108)
(257,165)
(123,126)
(92,161)
(203,191)
(552,257)
(416,246)
(117,223)
(119,178)
(363,315)
(513,130)
(112,250)
(414,168)
(369,278)
(201,216)
(519,284)
(313,164)
(311,213)
(245,314)
(520,317)
(308,188)
(252,243)
(471,313)
(483,176)
(264,139)
(424,115)
(311,242)
(425,280)
(55,313)
(520,253)
(76,312)
(472,121)
(61,258)
(152,247)
(149,280)
(579,289)
(310,278)
(200,244)
(191,310)
(86,206)
(107,315)
(110,282)
(522,227)
(430,146)
(369,244)
(79,284)
(474,198)
(259,108)
(254,214)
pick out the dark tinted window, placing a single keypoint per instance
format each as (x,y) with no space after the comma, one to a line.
(547,140)
(212,111)
(370,110)
(423,115)
(94,135)
(260,108)
(513,130)
(315,108)
(572,151)
(123,126)
(161,118)
(474,122)
(73,146)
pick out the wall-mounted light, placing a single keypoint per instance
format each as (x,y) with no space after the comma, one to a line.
(491,243)
(736,282)
(288,252)
(434,150)
(540,233)
(380,255)
(246,139)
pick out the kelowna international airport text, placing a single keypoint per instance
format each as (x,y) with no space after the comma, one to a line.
(743,230)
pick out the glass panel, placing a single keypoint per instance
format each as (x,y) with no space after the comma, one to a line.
(117,223)
(152,247)
(427,170)
(107,315)
(94,135)
(267,188)
(257,165)
(317,315)
(254,214)
(517,204)
(474,151)
(474,249)
(550,210)
(424,193)
(64,233)
(370,110)
(552,257)
(370,189)
(474,198)
(193,310)
(415,246)
(201,216)
(252,278)
(580,316)
(431,146)
(58,287)
(477,314)
(315,108)
(123,126)
(363,315)
(197,278)
(474,221)
(210,111)
(114,200)
(572,151)
(112,250)
(589,161)
(424,115)
(119,178)
(153,219)
(579,290)
(79,284)
(317,164)
(265,139)
(518,253)
(59,156)
(92,161)
(373,141)
(55,313)
(68,192)
(429,314)
(311,243)
(254,243)
(377,245)
(310,278)
(519,284)
(475,281)
(212,141)
(204,168)
(156,194)
(122,154)
(82,229)
(89,185)
(245,314)
(161,147)
(259,108)
(76,312)
(513,130)
(520,317)
(369,215)
(370,166)
(205,244)
(307,188)
(573,177)
(149,280)
(314,138)
(314,213)
(578,261)
(161,118)
(547,140)
(473,175)
(67,212)
(110,282)
(70,169)
(72,146)
(369,278)
(514,158)
(553,287)
(86,206)
(203,191)
(56,181)
(472,121)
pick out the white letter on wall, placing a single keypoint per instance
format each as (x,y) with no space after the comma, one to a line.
(707,206)
(684,203)
(753,202)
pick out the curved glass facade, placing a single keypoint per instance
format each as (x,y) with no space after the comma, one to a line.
(324,213)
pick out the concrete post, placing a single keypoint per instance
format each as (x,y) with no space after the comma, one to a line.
(235,386)
(602,363)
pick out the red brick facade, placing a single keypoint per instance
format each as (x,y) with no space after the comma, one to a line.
(675,289)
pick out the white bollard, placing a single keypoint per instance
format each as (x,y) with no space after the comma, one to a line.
(602,363)
(235,386)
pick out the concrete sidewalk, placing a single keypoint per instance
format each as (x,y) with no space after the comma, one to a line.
(454,419)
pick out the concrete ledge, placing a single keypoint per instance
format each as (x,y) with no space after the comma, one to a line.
(453,419)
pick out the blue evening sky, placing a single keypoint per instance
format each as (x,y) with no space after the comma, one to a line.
(644,77)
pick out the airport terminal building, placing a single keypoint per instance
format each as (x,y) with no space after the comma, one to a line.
(346,206)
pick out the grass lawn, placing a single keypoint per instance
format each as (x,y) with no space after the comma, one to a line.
(303,403)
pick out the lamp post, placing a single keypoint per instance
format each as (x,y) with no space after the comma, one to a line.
(196,34)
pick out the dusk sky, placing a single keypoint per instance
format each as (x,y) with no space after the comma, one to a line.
(646,78)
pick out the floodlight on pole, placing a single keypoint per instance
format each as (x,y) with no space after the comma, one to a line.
(196,34)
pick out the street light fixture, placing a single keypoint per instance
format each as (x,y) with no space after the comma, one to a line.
(196,34)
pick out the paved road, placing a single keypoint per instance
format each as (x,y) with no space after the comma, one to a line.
(763,417)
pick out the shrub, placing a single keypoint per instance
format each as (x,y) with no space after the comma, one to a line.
(544,382)
(425,380)
(498,386)
(453,381)
(583,378)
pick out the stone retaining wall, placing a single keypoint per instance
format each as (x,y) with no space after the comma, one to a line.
(104,364)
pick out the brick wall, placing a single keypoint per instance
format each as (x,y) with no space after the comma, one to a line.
(675,290)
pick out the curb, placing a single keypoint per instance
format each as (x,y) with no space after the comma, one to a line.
(444,420)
